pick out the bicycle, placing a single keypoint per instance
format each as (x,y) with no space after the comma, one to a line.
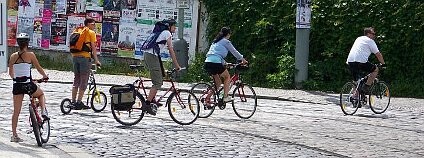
(40,126)
(95,97)
(245,100)
(183,106)
(352,98)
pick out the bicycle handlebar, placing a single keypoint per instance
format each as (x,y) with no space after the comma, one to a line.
(41,80)
(233,65)
(381,66)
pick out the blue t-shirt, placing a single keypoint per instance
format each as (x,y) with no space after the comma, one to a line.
(219,50)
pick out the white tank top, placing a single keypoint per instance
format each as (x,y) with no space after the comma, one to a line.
(22,70)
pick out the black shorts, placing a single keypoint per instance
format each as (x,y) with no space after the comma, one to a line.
(359,70)
(23,88)
(214,68)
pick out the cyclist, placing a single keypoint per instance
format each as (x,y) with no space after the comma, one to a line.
(20,71)
(358,57)
(155,67)
(82,65)
(215,63)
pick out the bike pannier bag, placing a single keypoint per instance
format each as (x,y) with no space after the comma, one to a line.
(123,96)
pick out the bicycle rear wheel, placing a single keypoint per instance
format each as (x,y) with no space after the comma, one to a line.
(379,98)
(98,101)
(66,106)
(200,90)
(35,126)
(44,127)
(349,103)
(131,116)
(245,101)
(183,107)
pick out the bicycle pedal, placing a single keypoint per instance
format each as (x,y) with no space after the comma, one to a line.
(29,132)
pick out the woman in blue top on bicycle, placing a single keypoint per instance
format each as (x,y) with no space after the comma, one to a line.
(215,63)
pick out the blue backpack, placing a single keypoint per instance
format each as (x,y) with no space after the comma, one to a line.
(150,42)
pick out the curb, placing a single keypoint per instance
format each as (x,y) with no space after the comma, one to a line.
(280,98)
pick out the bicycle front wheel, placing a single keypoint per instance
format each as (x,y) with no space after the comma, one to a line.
(379,98)
(183,107)
(349,103)
(201,90)
(98,101)
(129,116)
(66,106)
(245,101)
(35,126)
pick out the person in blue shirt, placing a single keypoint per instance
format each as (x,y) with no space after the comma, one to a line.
(215,63)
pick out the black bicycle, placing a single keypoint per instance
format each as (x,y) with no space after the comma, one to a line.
(352,98)
(95,97)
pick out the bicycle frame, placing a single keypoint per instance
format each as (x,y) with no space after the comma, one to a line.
(92,86)
(34,106)
(141,85)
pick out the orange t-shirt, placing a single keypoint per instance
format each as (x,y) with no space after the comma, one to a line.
(91,38)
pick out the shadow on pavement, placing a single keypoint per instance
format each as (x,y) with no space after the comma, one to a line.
(382,116)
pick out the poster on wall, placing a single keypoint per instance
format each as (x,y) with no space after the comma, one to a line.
(11,30)
(47,15)
(121,25)
(142,32)
(98,19)
(75,7)
(94,4)
(72,23)
(126,40)
(58,34)
(38,32)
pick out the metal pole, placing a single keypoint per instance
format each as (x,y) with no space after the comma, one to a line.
(301,56)
(303,25)
(180,23)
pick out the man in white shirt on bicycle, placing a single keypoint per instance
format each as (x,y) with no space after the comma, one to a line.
(358,57)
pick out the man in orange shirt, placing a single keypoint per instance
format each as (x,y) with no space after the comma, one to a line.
(82,66)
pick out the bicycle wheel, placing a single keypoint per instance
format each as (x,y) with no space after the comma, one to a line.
(65,106)
(98,101)
(183,107)
(131,116)
(379,98)
(200,90)
(35,126)
(44,129)
(245,101)
(348,103)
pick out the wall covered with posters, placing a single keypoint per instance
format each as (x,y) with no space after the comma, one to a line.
(121,25)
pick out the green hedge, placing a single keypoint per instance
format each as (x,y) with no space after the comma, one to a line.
(264,31)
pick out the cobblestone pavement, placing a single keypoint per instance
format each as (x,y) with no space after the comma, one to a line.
(286,124)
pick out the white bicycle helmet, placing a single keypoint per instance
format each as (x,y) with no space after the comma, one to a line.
(22,38)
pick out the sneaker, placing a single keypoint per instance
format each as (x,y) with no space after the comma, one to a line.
(228,99)
(150,108)
(76,106)
(44,115)
(16,139)
(82,105)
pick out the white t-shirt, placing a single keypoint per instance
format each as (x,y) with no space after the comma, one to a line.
(163,36)
(362,49)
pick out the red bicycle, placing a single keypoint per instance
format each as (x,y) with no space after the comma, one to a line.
(245,100)
(40,126)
